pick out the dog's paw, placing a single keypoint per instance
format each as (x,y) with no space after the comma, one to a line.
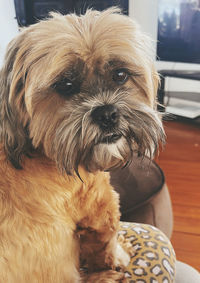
(124,252)
(122,258)
(126,245)
(108,276)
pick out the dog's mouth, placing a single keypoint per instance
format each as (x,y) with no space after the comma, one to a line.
(110,138)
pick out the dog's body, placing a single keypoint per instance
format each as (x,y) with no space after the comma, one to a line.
(77,98)
(45,216)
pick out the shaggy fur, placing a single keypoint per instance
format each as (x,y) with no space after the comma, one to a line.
(57,207)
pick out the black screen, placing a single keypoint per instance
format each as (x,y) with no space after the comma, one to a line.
(30,11)
(179,31)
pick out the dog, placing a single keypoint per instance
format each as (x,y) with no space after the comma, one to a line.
(78,99)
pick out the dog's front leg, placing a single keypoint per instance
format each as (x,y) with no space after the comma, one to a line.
(104,260)
(97,254)
(100,249)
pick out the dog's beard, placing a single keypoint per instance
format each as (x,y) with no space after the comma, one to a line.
(78,140)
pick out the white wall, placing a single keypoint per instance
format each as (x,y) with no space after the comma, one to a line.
(146,14)
(8,25)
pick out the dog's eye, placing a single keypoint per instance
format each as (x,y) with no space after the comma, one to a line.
(66,87)
(120,76)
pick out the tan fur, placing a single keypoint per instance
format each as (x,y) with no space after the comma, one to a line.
(40,210)
(57,207)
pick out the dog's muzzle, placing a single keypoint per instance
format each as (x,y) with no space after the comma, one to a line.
(107,118)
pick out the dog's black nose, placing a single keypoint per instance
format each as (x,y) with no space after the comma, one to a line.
(106,116)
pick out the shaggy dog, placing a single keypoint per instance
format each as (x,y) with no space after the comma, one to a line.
(78,98)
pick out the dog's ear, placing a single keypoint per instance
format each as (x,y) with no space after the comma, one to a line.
(151,79)
(13,114)
(154,81)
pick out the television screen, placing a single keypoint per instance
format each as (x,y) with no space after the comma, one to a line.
(30,11)
(179,31)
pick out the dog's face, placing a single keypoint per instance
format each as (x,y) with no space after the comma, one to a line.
(82,90)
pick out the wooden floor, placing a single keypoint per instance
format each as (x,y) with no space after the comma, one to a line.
(180,162)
